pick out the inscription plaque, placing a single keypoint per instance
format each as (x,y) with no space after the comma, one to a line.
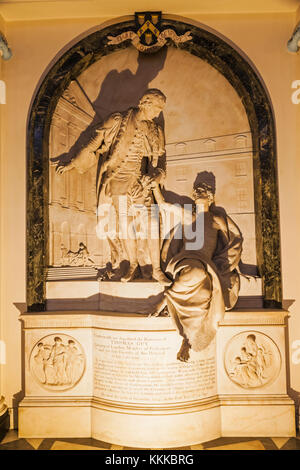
(139,367)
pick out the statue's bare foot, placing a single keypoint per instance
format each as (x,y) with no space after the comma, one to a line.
(129,276)
(160,312)
(184,352)
(164,312)
(159,276)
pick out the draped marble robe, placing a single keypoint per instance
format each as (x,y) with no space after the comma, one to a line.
(206,280)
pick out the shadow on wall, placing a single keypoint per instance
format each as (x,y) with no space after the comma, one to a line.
(122,90)
(119,91)
(107,303)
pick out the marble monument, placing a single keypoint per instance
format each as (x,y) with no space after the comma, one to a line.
(154,292)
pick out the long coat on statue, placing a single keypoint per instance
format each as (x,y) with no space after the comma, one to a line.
(111,149)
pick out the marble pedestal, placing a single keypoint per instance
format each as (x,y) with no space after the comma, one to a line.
(4,416)
(140,296)
(115,377)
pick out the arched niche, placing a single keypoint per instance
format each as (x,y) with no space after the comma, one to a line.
(217,54)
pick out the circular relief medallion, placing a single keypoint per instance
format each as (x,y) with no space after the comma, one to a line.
(252,359)
(57,362)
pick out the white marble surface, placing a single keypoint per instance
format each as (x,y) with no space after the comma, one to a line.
(273,419)
(227,409)
(133,297)
(273,333)
(156,431)
(33,387)
(197,139)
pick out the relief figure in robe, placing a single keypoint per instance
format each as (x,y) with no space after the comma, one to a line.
(41,361)
(205,279)
(130,150)
(74,360)
(57,360)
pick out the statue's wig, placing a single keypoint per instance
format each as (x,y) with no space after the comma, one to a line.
(153,95)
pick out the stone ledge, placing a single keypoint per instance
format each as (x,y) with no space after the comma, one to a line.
(130,321)
(234,399)
(211,401)
(96,319)
(254,317)
(132,408)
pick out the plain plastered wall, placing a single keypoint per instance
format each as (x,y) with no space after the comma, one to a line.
(293,230)
(2,111)
(262,38)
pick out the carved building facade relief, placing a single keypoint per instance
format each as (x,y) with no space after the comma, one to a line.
(230,159)
(72,200)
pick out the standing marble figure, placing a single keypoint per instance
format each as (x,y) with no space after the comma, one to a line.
(205,280)
(130,147)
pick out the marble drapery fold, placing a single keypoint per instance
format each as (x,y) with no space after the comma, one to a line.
(205,283)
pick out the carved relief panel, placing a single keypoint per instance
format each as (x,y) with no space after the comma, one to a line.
(57,362)
(72,204)
(252,360)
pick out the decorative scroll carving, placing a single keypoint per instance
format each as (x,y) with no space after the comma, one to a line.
(148,36)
